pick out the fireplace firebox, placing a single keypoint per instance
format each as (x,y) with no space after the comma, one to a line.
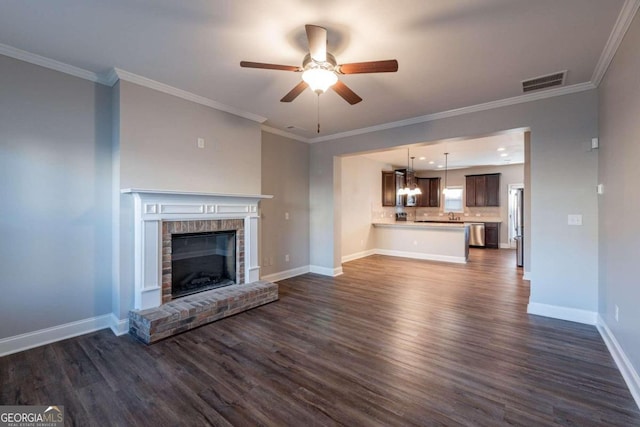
(202,261)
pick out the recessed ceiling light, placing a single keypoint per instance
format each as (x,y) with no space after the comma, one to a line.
(431,162)
(422,158)
(440,166)
(501,149)
(504,155)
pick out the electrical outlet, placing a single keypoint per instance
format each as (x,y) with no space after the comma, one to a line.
(617,313)
(286,216)
(286,258)
(200,142)
(574,219)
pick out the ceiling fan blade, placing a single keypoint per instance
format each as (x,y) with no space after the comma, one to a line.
(346,93)
(262,65)
(293,94)
(387,66)
(317,37)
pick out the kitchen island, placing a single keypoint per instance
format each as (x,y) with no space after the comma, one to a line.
(436,241)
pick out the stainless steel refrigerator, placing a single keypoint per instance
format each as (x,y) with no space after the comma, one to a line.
(518,219)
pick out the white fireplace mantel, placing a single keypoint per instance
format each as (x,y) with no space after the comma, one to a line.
(151,207)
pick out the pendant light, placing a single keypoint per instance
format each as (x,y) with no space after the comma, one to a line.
(407,191)
(446,164)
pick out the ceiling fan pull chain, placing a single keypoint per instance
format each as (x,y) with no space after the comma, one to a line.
(318,112)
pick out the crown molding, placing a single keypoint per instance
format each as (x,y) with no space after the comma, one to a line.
(112,76)
(161,87)
(620,28)
(52,64)
(286,134)
(565,90)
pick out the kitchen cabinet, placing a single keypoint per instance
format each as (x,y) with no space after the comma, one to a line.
(392,182)
(389,189)
(430,188)
(482,190)
(492,235)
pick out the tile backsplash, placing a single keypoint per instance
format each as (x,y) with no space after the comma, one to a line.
(388,213)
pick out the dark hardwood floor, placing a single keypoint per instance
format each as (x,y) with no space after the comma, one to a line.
(392,342)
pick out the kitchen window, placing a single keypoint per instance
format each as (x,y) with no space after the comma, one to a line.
(453,199)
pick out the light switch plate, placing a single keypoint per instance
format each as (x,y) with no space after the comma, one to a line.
(200,142)
(574,219)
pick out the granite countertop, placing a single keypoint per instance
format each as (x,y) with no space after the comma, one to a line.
(467,219)
(429,224)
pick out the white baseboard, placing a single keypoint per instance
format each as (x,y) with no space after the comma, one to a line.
(505,246)
(276,277)
(420,255)
(627,370)
(325,271)
(119,326)
(33,339)
(563,313)
(358,255)
(526,275)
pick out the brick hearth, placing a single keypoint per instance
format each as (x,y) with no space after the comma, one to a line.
(189,312)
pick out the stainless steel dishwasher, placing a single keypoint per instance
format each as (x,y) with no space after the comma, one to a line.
(476,234)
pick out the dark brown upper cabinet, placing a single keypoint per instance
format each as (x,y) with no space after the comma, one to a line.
(482,190)
(430,188)
(389,190)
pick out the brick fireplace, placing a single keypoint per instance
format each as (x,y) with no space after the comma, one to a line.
(164,220)
(160,214)
(196,227)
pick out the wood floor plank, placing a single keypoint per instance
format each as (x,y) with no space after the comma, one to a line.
(391,342)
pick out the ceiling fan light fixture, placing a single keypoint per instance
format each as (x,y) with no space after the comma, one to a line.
(319,78)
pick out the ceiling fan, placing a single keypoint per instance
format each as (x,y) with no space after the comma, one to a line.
(320,70)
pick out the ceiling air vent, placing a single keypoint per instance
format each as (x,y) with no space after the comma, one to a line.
(543,82)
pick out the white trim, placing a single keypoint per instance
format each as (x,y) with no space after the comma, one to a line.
(526,275)
(119,326)
(282,275)
(505,246)
(161,87)
(563,313)
(286,134)
(193,193)
(565,90)
(325,271)
(33,339)
(627,13)
(625,366)
(51,64)
(358,255)
(420,255)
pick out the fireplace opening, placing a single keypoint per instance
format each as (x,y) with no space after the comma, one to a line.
(202,261)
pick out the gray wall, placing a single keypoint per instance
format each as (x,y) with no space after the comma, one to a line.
(158,145)
(285,175)
(563,177)
(619,157)
(55,214)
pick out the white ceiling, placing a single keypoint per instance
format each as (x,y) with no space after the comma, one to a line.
(451,54)
(496,150)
